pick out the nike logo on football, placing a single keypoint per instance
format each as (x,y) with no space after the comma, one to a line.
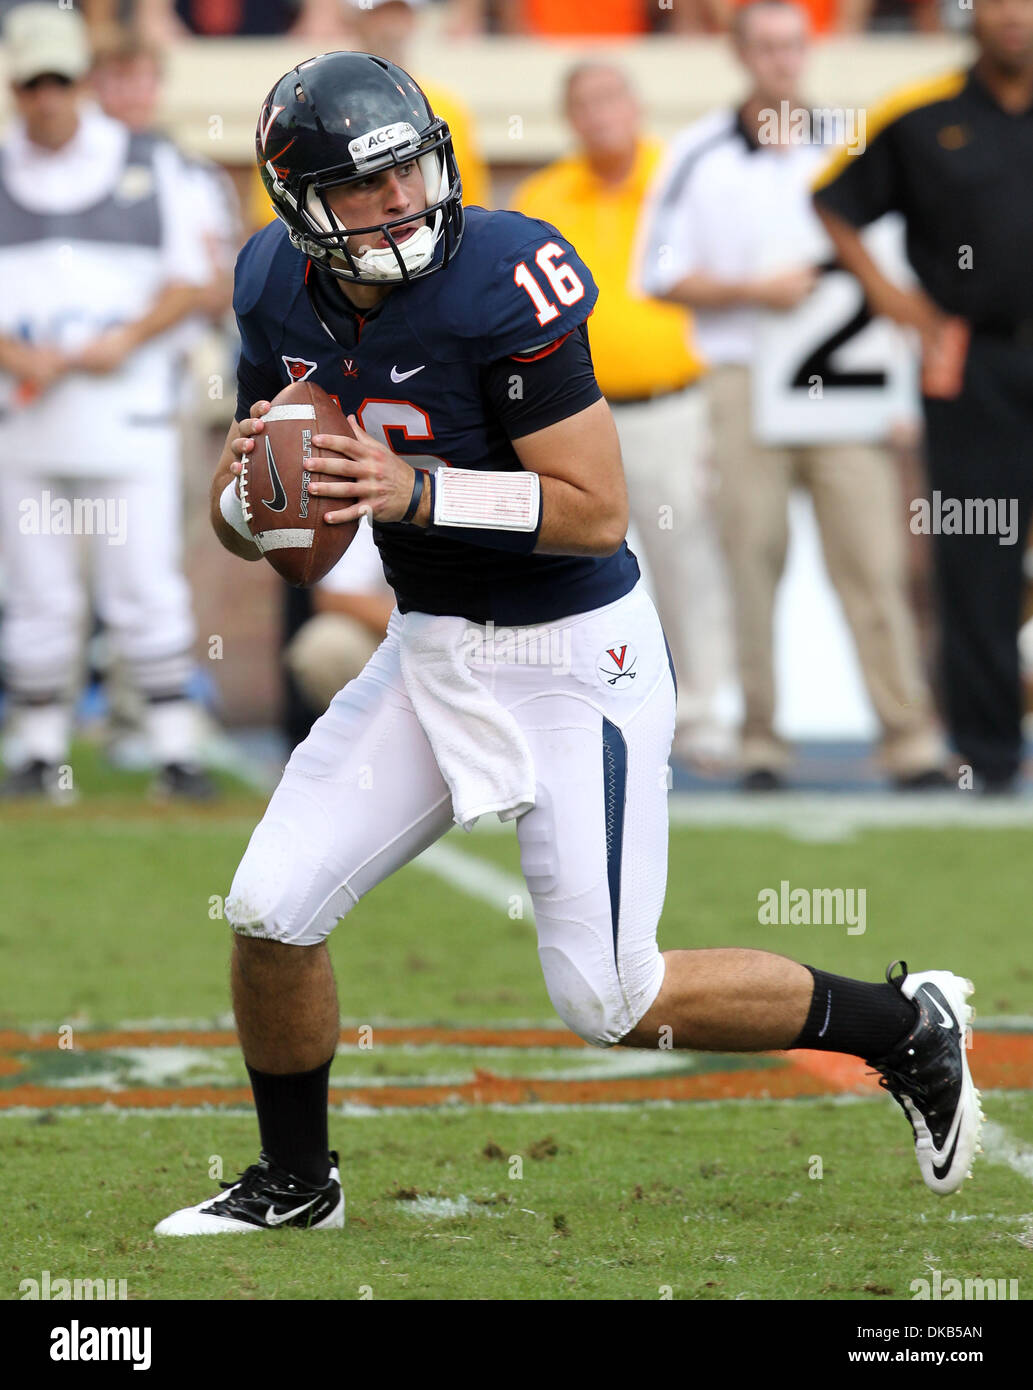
(273,1218)
(278,501)
(397,376)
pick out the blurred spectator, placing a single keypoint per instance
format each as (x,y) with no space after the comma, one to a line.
(726,206)
(954,156)
(101,259)
(386,28)
(352,607)
(648,371)
(823,16)
(163,22)
(126,79)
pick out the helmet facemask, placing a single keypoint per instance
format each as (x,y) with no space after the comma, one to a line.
(324,237)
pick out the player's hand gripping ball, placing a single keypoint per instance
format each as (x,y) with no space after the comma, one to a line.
(284,515)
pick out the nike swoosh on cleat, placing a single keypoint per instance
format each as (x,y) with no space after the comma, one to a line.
(397,376)
(277,1219)
(940,1170)
(948,1020)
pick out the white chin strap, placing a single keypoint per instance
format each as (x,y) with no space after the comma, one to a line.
(381,263)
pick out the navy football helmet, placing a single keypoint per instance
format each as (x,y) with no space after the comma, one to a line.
(339,118)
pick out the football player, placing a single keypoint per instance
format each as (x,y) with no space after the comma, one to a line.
(489,464)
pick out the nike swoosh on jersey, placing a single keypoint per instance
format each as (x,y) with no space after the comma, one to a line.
(397,376)
(278,501)
(273,1218)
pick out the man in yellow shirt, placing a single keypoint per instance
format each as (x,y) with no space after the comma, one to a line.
(648,371)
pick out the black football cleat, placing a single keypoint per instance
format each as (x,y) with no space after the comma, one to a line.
(263,1198)
(37,780)
(184,782)
(927,1075)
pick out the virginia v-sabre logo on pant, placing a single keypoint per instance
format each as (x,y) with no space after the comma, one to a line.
(785,906)
(969,516)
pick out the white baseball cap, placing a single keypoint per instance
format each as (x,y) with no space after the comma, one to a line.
(40,38)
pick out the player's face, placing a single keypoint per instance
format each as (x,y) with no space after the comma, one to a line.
(49,106)
(773,49)
(381,197)
(602,111)
(1004,29)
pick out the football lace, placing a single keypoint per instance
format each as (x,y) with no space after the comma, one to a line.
(245,504)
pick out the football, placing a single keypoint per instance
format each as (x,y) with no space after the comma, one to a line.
(282,515)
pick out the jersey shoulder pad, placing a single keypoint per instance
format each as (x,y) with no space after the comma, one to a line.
(515,285)
(266,280)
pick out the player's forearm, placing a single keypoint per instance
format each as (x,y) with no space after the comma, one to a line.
(577,522)
(227,536)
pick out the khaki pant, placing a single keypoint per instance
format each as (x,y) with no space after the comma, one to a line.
(670,496)
(326,653)
(859,513)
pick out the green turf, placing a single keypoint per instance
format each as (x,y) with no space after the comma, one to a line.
(107,915)
(113,915)
(714,1201)
(952,899)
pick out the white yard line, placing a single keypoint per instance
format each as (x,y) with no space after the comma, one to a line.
(1001,1146)
(820,816)
(499,1107)
(832,815)
(477,878)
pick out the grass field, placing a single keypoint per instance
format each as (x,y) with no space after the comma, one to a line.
(485,1152)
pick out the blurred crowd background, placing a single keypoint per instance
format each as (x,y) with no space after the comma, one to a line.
(797,598)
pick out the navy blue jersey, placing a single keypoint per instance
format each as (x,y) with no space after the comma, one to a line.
(426,372)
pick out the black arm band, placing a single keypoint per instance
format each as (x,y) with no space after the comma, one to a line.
(417,493)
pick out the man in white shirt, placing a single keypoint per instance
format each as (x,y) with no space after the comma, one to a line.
(100,257)
(731,233)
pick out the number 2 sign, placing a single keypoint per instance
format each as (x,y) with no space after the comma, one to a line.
(826,372)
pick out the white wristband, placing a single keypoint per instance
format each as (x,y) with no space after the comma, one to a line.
(233,512)
(510,501)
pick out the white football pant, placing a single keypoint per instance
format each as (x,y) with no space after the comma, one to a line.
(362,795)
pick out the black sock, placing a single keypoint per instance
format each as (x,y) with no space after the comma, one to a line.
(852,1016)
(292,1120)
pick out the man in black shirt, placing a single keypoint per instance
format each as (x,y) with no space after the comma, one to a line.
(955,157)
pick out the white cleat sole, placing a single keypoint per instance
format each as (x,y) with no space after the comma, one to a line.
(201,1221)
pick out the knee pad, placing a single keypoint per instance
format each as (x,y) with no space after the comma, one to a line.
(275,893)
(581,1006)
